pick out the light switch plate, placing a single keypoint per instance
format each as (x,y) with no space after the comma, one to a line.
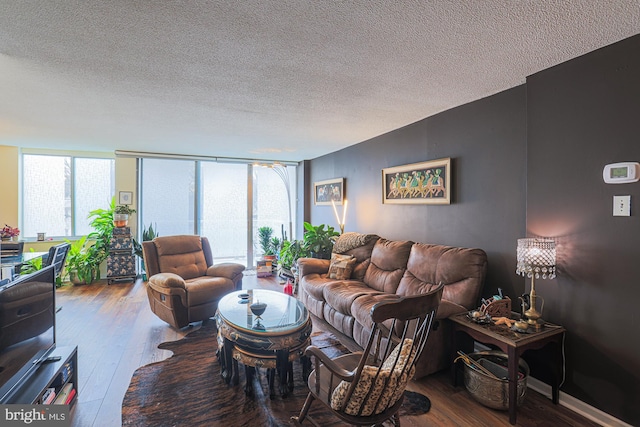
(621,205)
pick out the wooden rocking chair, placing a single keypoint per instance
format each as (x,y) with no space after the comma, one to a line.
(367,388)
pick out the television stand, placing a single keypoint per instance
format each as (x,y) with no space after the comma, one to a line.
(54,374)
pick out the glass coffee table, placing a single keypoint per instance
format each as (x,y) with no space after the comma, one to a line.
(271,340)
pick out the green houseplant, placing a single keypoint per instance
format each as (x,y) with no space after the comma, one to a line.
(290,252)
(319,241)
(264,239)
(31,265)
(148,234)
(121,215)
(84,259)
(80,268)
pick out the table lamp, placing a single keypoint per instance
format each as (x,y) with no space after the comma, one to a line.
(536,259)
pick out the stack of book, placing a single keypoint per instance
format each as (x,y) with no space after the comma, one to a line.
(48,396)
(66,395)
(264,268)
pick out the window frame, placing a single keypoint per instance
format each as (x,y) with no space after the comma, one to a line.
(73,155)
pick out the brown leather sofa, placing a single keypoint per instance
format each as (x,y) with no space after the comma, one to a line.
(184,286)
(386,269)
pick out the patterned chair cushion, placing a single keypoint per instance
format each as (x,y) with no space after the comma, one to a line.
(341,266)
(397,382)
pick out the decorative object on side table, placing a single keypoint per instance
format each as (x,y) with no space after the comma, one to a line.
(536,259)
(121,215)
(9,233)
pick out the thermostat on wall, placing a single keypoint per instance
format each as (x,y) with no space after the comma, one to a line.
(621,173)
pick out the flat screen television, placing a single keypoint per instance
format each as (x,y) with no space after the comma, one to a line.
(27,328)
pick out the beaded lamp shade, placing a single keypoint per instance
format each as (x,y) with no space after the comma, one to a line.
(536,258)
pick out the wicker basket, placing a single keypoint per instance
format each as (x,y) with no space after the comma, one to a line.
(490,391)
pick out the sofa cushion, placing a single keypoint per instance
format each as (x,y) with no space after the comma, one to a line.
(361,307)
(341,295)
(388,263)
(314,284)
(462,271)
(205,289)
(341,266)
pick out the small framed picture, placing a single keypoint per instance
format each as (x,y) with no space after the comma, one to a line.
(125,198)
(326,191)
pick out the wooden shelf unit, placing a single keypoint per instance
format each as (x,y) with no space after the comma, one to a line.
(49,374)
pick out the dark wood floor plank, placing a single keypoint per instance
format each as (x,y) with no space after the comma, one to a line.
(116,333)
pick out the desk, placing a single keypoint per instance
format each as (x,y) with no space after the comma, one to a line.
(17,261)
(513,344)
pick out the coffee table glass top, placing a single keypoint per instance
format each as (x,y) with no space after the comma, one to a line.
(282,314)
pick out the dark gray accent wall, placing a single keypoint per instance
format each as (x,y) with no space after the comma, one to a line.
(486,142)
(582,115)
(528,161)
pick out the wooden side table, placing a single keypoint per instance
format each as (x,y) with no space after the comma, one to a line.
(513,344)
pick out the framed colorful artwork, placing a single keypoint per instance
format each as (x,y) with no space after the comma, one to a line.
(418,183)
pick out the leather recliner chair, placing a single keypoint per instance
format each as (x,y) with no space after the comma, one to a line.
(184,286)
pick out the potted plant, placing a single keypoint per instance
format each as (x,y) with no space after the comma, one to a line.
(275,244)
(121,215)
(9,233)
(79,266)
(289,253)
(264,238)
(84,259)
(147,235)
(31,265)
(319,241)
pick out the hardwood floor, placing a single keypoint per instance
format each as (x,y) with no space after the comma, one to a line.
(116,333)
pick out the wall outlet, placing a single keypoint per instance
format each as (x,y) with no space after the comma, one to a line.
(621,205)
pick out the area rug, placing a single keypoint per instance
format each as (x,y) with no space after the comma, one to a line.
(187,390)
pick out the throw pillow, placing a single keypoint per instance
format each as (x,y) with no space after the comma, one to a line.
(341,266)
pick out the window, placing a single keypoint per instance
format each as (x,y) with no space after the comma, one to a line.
(168,195)
(213,199)
(58,192)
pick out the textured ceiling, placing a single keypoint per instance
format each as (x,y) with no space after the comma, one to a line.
(286,80)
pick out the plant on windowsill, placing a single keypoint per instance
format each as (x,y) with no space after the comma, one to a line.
(9,233)
(121,215)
